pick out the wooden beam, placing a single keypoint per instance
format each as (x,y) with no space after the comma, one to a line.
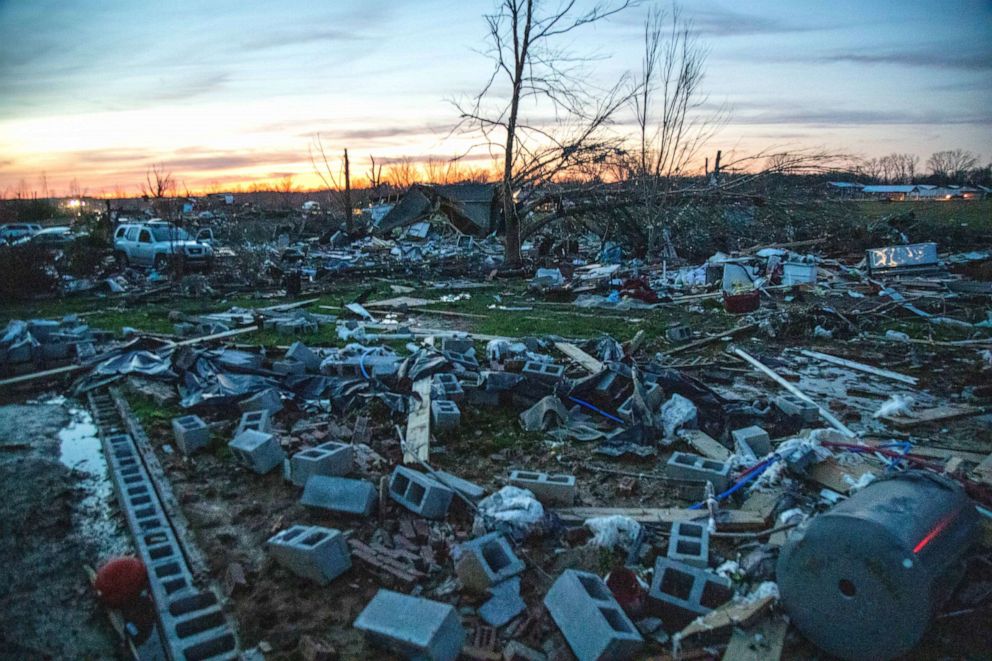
(708,340)
(581,357)
(418,425)
(34,376)
(704,444)
(729,520)
(861,367)
(770,373)
(217,336)
(936,414)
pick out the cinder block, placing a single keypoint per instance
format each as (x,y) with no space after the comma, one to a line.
(497,382)
(419,493)
(445,414)
(257,450)
(260,420)
(329,458)
(682,465)
(485,561)
(591,620)
(340,494)
(690,543)
(544,372)
(680,593)
(466,360)
(413,627)
(320,554)
(301,353)
(264,400)
(678,333)
(470,490)
(191,433)
(504,603)
(293,367)
(755,438)
(446,386)
(55,349)
(549,489)
(653,394)
(793,406)
(456,344)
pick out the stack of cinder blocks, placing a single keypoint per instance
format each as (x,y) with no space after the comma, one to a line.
(191,433)
(420,493)
(413,627)
(330,458)
(549,489)
(320,554)
(680,592)
(682,465)
(257,450)
(591,620)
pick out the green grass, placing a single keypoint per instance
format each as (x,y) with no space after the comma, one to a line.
(973,214)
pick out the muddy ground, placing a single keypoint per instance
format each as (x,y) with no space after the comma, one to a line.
(57,517)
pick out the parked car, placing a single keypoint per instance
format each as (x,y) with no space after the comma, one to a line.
(15,231)
(51,238)
(157,244)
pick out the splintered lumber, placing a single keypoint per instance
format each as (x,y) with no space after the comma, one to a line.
(717,625)
(282,307)
(707,340)
(581,357)
(217,336)
(400,302)
(417,447)
(771,374)
(936,414)
(705,444)
(861,367)
(763,642)
(836,476)
(728,520)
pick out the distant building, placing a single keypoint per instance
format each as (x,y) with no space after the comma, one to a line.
(470,208)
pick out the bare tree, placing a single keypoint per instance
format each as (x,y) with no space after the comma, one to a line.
(375,174)
(401,173)
(528,58)
(952,164)
(326,173)
(159,183)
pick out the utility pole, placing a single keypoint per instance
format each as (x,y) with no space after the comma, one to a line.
(347,194)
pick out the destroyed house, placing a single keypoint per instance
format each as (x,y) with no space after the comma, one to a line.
(470,208)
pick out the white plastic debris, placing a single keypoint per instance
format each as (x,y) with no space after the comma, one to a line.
(822,332)
(510,510)
(860,483)
(894,406)
(610,531)
(676,413)
(729,569)
(896,335)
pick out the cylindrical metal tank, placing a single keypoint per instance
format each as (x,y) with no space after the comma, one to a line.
(864,579)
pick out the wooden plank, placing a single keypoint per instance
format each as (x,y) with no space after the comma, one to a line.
(935,414)
(705,444)
(717,625)
(581,357)
(763,642)
(418,425)
(861,367)
(770,373)
(400,301)
(830,474)
(933,453)
(34,376)
(217,336)
(707,340)
(282,307)
(730,520)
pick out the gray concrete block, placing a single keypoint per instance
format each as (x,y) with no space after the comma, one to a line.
(456,344)
(470,490)
(678,333)
(653,394)
(544,372)
(555,489)
(260,420)
(301,353)
(264,400)
(420,493)
(504,604)
(297,326)
(413,627)
(320,554)
(682,465)
(497,382)
(446,386)
(257,450)
(445,414)
(340,494)
(680,593)
(590,618)
(485,561)
(191,433)
(329,458)
(755,438)
(793,406)
(689,543)
(466,360)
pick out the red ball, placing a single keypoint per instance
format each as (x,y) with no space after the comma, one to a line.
(121,581)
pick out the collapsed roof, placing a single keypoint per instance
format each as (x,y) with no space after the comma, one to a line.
(470,208)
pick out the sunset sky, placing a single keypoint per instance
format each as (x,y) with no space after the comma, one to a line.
(231,92)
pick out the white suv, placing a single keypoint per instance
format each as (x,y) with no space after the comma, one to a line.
(15,231)
(157,244)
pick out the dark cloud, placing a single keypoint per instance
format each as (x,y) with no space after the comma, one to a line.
(852,117)
(297,36)
(716,21)
(943,58)
(229,161)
